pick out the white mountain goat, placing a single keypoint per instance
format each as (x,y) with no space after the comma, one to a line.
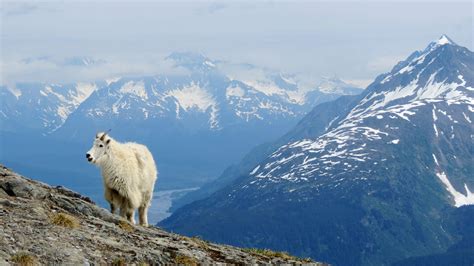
(129,174)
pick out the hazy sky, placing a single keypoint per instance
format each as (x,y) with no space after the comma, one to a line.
(355,40)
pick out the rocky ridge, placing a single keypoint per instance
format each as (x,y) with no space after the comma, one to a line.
(54,225)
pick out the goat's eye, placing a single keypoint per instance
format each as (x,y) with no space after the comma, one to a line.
(101,145)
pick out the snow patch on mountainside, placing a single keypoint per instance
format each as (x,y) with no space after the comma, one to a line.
(82,92)
(234,91)
(15,91)
(196,97)
(288,80)
(135,88)
(266,88)
(414,91)
(466,117)
(317,157)
(193,96)
(112,80)
(63,112)
(214,119)
(298,96)
(270,89)
(333,85)
(209,64)
(414,95)
(47,91)
(459,198)
(66,101)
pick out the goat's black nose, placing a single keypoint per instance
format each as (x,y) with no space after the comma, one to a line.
(88,155)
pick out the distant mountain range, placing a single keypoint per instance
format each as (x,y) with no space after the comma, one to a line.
(378,178)
(76,61)
(196,122)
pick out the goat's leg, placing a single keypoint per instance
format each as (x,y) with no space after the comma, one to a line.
(112,208)
(143,209)
(111,197)
(142,215)
(130,213)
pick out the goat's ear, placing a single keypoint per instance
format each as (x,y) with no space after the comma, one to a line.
(107,142)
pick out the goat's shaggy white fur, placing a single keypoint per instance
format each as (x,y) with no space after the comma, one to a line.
(129,174)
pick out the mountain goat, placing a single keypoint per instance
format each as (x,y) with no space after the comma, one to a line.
(129,174)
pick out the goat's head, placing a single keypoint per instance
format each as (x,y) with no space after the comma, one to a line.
(99,147)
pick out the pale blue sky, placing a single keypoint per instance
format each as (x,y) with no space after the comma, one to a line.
(355,40)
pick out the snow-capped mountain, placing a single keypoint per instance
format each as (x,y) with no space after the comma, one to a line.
(214,100)
(421,84)
(375,186)
(336,85)
(83,61)
(41,107)
(314,124)
(205,91)
(201,112)
(192,61)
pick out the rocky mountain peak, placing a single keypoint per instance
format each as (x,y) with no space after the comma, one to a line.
(192,61)
(442,40)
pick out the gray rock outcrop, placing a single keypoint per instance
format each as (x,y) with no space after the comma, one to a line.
(40,224)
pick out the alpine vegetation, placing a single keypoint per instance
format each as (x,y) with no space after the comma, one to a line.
(129,174)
